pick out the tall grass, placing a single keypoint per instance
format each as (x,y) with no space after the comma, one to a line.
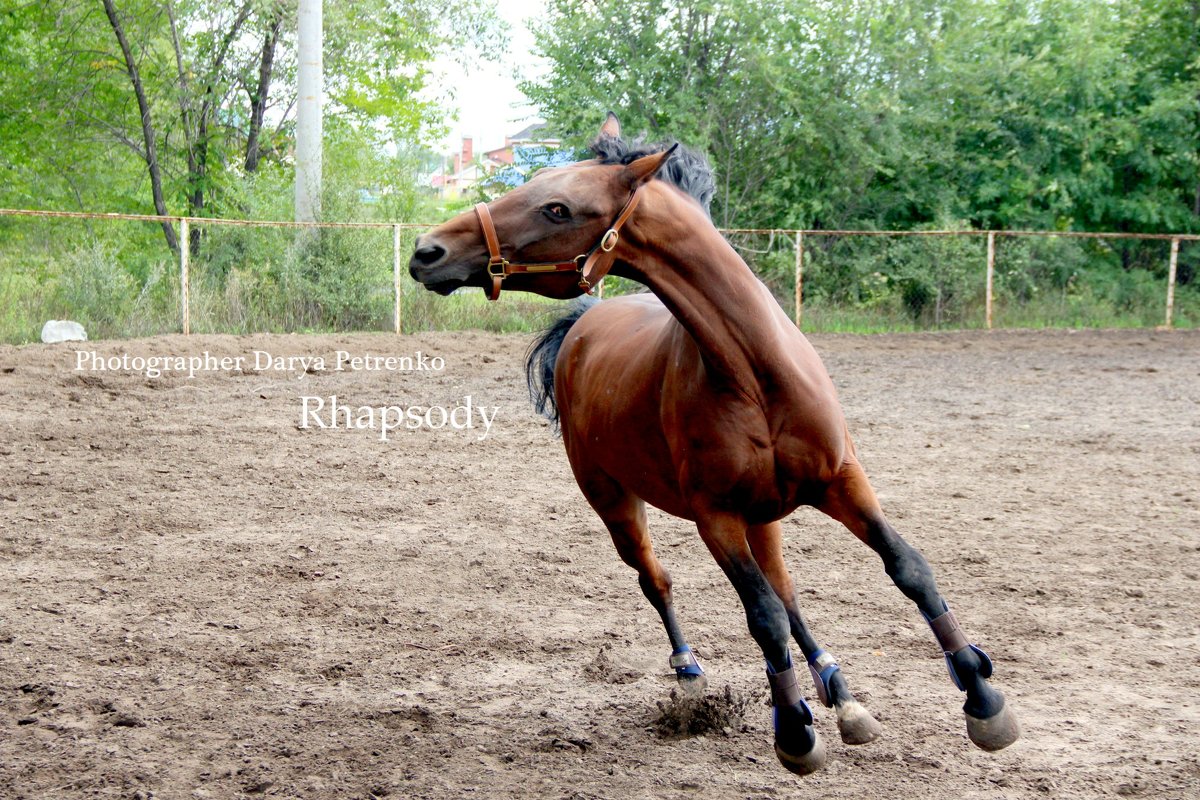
(242,280)
(874,284)
(119,280)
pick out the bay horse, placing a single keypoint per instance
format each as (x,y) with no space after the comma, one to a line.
(701,398)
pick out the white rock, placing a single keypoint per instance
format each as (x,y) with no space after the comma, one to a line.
(63,330)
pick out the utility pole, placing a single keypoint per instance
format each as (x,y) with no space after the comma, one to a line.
(309,123)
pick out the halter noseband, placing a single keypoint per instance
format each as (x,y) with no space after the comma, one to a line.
(592,266)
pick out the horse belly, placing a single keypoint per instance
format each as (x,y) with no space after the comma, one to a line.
(727,459)
(759,460)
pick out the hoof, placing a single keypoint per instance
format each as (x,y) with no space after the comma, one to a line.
(996,732)
(805,764)
(692,685)
(856,724)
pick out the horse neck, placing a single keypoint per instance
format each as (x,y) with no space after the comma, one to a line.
(684,260)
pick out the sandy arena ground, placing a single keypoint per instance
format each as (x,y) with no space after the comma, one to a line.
(198,599)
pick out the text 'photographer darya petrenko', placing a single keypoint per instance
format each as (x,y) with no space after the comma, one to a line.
(189,366)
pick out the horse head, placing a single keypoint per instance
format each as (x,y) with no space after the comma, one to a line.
(556,235)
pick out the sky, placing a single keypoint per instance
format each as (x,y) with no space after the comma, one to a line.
(487,101)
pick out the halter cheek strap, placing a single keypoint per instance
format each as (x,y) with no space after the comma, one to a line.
(601,259)
(500,268)
(592,266)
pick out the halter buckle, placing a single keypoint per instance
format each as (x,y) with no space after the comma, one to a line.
(610,240)
(497,268)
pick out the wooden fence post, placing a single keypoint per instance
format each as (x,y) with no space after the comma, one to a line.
(991,271)
(1174,264)
(799,276)
(396,320)
(185,246)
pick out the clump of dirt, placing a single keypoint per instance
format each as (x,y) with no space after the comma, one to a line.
(691,715)
(605,670)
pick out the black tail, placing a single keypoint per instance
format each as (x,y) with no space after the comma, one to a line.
(543,353)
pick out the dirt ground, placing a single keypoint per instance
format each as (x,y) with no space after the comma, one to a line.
(199,599)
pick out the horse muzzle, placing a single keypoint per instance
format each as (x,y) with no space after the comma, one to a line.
(431,266)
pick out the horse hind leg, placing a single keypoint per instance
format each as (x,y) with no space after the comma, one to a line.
(624,515)
(850,500)
(797,744)
(855,723)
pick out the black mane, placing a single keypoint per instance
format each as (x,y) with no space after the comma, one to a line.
(685,169)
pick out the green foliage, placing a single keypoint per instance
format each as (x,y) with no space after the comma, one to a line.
(1059,114)
(85,279)
(1068,115)
(95,287)
(71,135)
(911,114)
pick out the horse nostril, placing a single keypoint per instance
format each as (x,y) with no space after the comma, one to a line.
(429,254)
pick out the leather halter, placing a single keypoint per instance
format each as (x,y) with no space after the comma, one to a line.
(592,266)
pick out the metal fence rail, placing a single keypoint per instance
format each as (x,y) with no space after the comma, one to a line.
(797,237)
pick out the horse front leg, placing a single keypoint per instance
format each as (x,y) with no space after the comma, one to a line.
(797,744)
(991,724)
(624,515)
(855,723)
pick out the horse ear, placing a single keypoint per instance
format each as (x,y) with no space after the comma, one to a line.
(611,126)
(645,168)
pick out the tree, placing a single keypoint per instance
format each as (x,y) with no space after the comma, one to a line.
(149,152)
(199,94)
(697,71)
(1006,113)
(259,92)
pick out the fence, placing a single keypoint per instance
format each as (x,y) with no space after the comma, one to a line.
(804,244)
(184,238)
(798,237)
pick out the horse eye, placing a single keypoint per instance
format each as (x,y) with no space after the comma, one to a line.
(557,212)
